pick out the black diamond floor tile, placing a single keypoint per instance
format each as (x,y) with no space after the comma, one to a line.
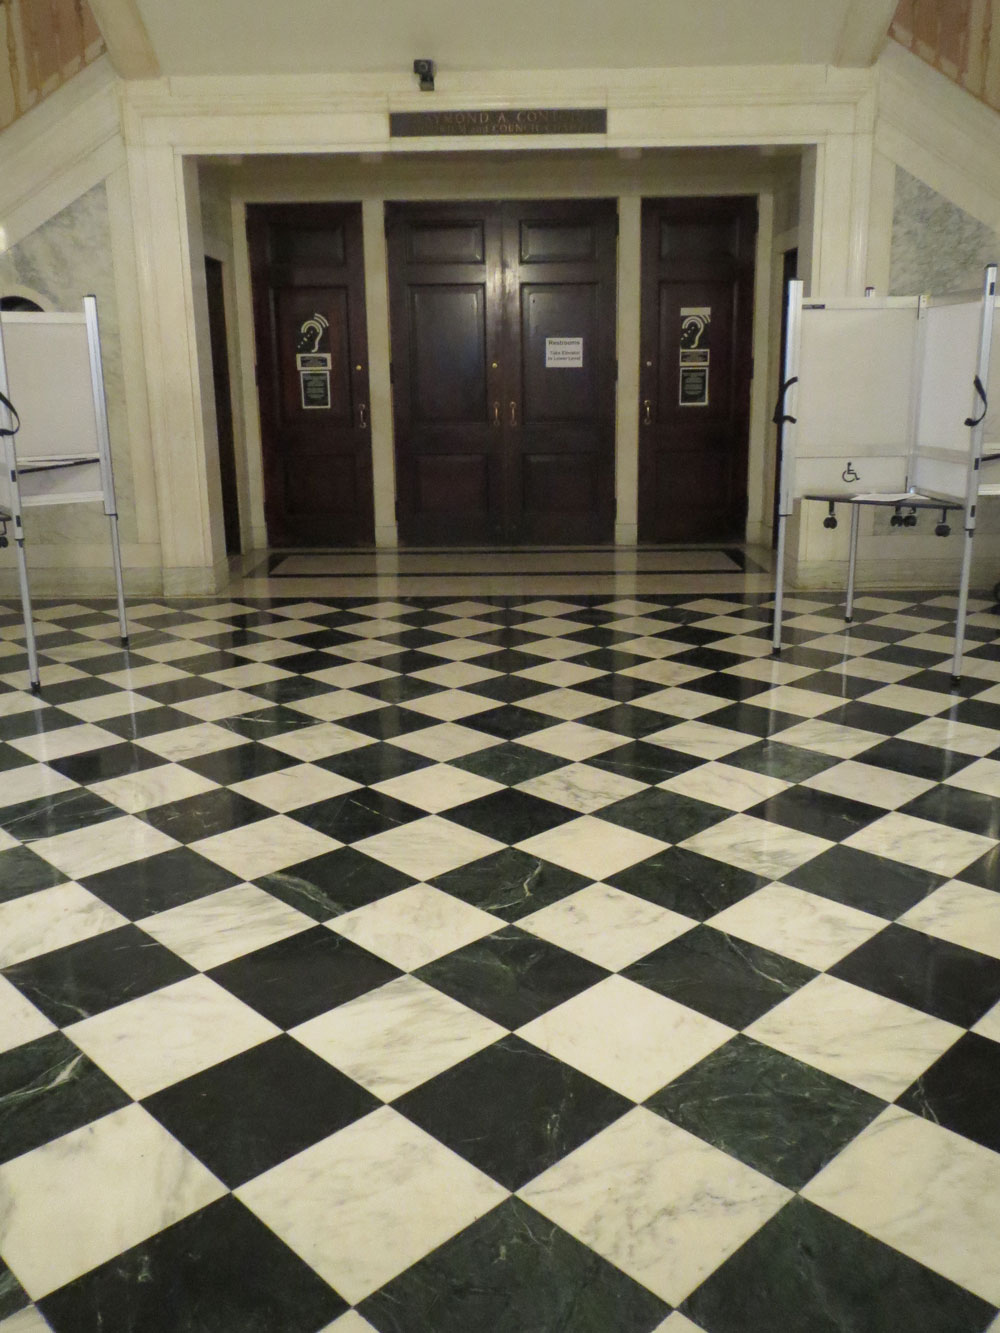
(298,978)
(627,720)
(111,761)
(201,816)
(960,1090)
(645,762)
(219,1271)
(920,761)
(510,816)
(510,884)
(511,1272)
(50,815)
(357,814)
(791,763)
(686,882)
(985,872)
(336,882)
(666,815)
(512,1110)
(374,763)
(509,763)
(21,872)
(511,976)
(248,1113)
(147,722)
(156,883)
(969,810)
(237,763)
(817,812)
(47,1088)
(721,976)
(96,974)
(869,883)
(933,975)
(774,1113)
(808,1272)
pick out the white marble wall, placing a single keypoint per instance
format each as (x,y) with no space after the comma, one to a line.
(68,257)
(936,247)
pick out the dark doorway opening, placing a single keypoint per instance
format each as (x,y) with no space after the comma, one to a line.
(223,404)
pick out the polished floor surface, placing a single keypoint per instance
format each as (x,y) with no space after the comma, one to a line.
(507,962)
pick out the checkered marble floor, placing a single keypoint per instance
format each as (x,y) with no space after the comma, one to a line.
(500,963)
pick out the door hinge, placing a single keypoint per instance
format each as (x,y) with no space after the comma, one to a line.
(751,367)
(392,373)
(616,370)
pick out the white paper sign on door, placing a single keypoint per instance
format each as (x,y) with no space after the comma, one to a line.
(563,353)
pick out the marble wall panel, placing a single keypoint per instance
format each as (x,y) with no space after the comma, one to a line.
(63,260)
(936,247)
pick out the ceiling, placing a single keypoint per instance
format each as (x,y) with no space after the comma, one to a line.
(198,37)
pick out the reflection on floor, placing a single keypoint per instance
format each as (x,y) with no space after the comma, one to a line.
(505,571)
(500,962)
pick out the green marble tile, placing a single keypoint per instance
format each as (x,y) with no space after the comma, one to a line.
(514,1272)
(772,1112)
(47,1088)
(808,1272)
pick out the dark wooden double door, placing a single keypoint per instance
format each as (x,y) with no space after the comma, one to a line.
(695,367)
(312,372)
(503,356)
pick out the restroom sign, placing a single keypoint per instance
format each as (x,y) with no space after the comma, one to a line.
(563,353)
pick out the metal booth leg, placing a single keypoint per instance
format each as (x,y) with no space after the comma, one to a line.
(779,586)
(29,624)
(963,606)
(116,556)
(852,563)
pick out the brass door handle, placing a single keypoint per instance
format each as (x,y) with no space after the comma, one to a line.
(513,413)
(496,414)
(647,419)
(363,423)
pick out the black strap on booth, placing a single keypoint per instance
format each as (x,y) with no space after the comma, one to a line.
(5,430)
(978,385)
(780,416)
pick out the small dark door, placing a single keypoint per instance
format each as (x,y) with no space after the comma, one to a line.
(223,403)
(503,336)
(695,367)
(312,372)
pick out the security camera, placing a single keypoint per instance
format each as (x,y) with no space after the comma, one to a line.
(424,70)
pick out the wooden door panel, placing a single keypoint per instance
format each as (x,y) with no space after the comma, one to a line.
(322,487)
(448,353)
(547,242)
(445,356)
(312,368)
(446,243)
(563,257)
(558,393)
(696,341)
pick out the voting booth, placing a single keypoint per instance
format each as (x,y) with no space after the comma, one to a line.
(884,405)
(54,426)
